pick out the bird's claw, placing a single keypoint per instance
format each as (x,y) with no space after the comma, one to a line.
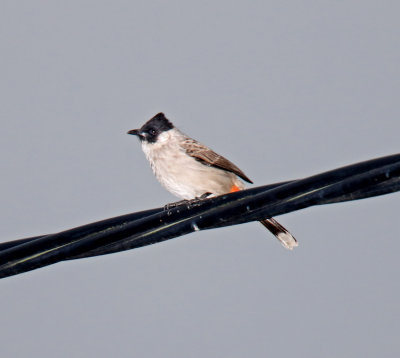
(189,203)
(174,205)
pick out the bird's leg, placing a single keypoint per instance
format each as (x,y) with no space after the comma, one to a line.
(194,202)
(189,203)
(205,196)
(174,205)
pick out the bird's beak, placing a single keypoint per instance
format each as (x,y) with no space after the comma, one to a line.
(137,132)
(134,132)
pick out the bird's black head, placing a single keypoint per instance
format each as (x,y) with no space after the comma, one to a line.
(150,131)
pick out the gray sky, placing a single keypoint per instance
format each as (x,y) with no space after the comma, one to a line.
(284,89)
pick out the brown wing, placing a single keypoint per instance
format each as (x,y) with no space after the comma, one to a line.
(208,157)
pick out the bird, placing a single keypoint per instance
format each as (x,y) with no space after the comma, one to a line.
(190,170)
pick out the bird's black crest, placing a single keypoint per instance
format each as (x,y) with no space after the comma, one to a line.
(154,127)
(159,122)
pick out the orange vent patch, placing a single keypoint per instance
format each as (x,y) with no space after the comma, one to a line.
(234,188)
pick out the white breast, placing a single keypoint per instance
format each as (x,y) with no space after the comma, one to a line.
(181,174)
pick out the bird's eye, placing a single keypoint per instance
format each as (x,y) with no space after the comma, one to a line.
(152,131)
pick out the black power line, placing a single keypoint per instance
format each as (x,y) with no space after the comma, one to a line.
(357,181)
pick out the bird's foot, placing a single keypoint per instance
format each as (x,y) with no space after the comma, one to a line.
(174,205)
(189,203)
(196,201)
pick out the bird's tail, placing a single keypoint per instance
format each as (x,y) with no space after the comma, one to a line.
(284,236)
